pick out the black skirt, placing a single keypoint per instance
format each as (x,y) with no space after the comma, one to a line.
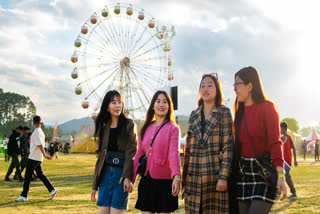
(154,195)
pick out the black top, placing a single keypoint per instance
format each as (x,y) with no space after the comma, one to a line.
(113,140)
(13,147)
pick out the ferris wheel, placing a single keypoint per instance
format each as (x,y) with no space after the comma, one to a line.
(122,48)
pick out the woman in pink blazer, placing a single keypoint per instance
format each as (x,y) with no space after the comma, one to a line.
(159,187)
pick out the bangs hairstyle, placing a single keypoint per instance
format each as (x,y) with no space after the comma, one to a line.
(104,117)
(219,97)
(150,116)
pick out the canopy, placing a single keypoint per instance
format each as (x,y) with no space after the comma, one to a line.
(313,136)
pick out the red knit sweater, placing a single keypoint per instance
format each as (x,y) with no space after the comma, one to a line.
(263,126)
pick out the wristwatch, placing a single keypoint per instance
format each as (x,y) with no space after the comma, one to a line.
(177,177)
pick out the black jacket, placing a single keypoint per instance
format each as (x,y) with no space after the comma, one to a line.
(13,147)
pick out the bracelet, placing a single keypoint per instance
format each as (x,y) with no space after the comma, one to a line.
(280,175)
(177,177)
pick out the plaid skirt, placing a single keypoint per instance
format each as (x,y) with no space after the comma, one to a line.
(250,184)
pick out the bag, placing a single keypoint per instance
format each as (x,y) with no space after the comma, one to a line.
(115,159)
(267,170)
(143,159)
(142,165)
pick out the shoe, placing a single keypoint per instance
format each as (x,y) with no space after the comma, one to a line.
(21,199)
(15,178)
(52,194)
(293,196)
(7,179)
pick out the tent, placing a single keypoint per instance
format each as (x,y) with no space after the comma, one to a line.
(313,136)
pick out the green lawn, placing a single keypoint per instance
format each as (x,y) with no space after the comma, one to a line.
(72,176)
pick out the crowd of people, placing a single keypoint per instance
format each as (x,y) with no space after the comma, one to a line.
(220,154)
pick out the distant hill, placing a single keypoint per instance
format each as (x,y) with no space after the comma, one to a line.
(74,125)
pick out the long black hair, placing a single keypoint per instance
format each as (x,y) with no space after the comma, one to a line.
(247,75)
(104,117)
(150,116)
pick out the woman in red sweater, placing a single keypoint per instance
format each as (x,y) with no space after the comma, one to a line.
(262,119)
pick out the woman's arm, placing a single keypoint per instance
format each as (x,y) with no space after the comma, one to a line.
(173,156)
(136,159)
(274,142)
(272,122)
(131,150)
(227,142)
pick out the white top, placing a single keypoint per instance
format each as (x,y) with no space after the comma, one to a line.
(37,139)
(5,144)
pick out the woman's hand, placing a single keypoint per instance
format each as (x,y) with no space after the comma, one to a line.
(175,187)
(127,185)
(221,185)
(282,188)
(93,195)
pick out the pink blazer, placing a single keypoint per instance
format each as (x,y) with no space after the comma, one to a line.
(163,157)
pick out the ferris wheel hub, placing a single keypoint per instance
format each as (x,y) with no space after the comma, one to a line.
(125,62)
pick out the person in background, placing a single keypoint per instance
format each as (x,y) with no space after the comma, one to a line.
(51,148)
(316,151)
(304,148)
(56,149)
(5,148)
(35,160)
(24,149)
(287,146)
(20,142)
(13,152)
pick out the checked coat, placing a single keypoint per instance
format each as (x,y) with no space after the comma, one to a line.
(202,165)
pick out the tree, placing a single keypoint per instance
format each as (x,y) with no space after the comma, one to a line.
(48,132)
(304,132)
(293,124)
(15,110)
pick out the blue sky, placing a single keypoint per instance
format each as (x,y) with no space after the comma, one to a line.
(280,39)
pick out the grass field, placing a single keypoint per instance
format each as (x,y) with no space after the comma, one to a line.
(72,177)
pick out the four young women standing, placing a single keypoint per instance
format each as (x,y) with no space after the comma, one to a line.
(209,150)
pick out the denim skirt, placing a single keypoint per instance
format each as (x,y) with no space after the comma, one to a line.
(111,192)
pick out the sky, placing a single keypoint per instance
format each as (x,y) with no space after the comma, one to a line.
(279,38)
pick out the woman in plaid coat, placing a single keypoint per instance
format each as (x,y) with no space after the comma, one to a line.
(208,149)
